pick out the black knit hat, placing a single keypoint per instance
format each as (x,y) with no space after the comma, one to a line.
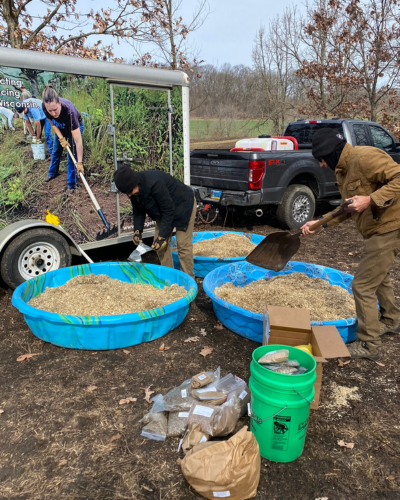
(325,141)
(126,179)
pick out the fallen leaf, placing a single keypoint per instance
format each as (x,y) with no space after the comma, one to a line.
(113,388)
(63,462)
(166,348)
(148,393)
(192,339)
(93,353)
(218,326)
(342,363)
(127,400)
(390,478)
(379,364)
(27,356)
(162,347)
(342,443)
(192,319)
(114,438)
(91,388)
(203,332)
(126,352)
(206,351)
(1,411)
(350,253)
(146,488)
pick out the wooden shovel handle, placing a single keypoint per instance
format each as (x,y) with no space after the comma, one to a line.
(336,213)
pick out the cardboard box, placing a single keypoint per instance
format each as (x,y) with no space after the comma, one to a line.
(289,326)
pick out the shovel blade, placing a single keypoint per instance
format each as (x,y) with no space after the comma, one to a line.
(102,235)
(275,251)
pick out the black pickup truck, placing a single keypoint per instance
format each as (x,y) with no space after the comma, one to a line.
(290,180)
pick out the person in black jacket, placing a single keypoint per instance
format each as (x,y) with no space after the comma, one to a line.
(167,201)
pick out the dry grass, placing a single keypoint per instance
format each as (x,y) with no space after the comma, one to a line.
(100,295)
(324,301)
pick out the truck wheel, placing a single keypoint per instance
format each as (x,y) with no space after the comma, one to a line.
(297,207)
(32,253)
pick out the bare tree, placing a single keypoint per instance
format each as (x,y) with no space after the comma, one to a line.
(275,68)
(168,35)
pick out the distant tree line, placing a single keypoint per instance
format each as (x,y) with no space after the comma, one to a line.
(338,58)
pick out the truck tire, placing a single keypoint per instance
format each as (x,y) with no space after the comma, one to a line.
(32,253)
(297,207)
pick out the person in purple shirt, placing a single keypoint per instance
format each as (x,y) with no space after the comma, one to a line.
(66,119)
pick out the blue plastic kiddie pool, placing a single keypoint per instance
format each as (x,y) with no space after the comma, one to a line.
(203,265)
(249,324)
(105,332)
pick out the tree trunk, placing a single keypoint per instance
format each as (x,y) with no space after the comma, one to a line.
(171,34)
(11,17)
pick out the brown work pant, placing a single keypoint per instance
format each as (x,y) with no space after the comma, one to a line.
(372,282)
(184,243)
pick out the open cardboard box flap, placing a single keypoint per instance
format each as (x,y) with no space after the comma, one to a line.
(329,341)
(288,318)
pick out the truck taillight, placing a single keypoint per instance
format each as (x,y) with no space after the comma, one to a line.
(256,173)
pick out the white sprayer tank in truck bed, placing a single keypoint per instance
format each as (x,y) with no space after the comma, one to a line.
(266,144)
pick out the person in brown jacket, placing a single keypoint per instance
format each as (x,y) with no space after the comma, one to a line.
(371,179)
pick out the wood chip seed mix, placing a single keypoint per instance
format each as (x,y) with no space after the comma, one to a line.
(91,295)
(324,301)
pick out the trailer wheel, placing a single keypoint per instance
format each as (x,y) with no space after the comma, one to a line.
(33,253)
(297,207)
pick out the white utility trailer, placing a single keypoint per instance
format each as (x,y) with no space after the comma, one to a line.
(30,247)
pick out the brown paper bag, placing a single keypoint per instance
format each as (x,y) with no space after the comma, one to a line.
(226,469)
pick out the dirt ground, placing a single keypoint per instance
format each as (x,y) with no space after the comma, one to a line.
(56,435)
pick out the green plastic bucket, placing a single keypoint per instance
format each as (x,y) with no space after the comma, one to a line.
(280,405)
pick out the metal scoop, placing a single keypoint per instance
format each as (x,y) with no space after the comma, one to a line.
(276,249)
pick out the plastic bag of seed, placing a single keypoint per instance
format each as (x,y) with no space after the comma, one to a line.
(156,421)
(209,396)
(243,395)
(274,357)
(203,379)
(204,415)
(216,420)
(179,398)
(177,421)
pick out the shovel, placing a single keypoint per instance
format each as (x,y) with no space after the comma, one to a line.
(109,231)
(276,249)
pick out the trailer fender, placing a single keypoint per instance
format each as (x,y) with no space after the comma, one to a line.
(11,231)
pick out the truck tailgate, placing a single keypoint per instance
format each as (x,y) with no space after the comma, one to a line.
(219,169)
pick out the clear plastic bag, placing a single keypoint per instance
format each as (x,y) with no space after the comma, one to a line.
(216,420)
(177,422)
(136,255)
(274,357)
(286,370)
(206,379)
(155,420)
(179,398)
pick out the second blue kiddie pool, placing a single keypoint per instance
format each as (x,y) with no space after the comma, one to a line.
(249,324)
(203,265)
(105,332)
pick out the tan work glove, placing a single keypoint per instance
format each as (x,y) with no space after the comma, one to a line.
(36,141)
(64,143)
(79,168)
(159,243)
(137,237)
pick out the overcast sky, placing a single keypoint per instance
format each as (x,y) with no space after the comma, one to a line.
(228,33)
